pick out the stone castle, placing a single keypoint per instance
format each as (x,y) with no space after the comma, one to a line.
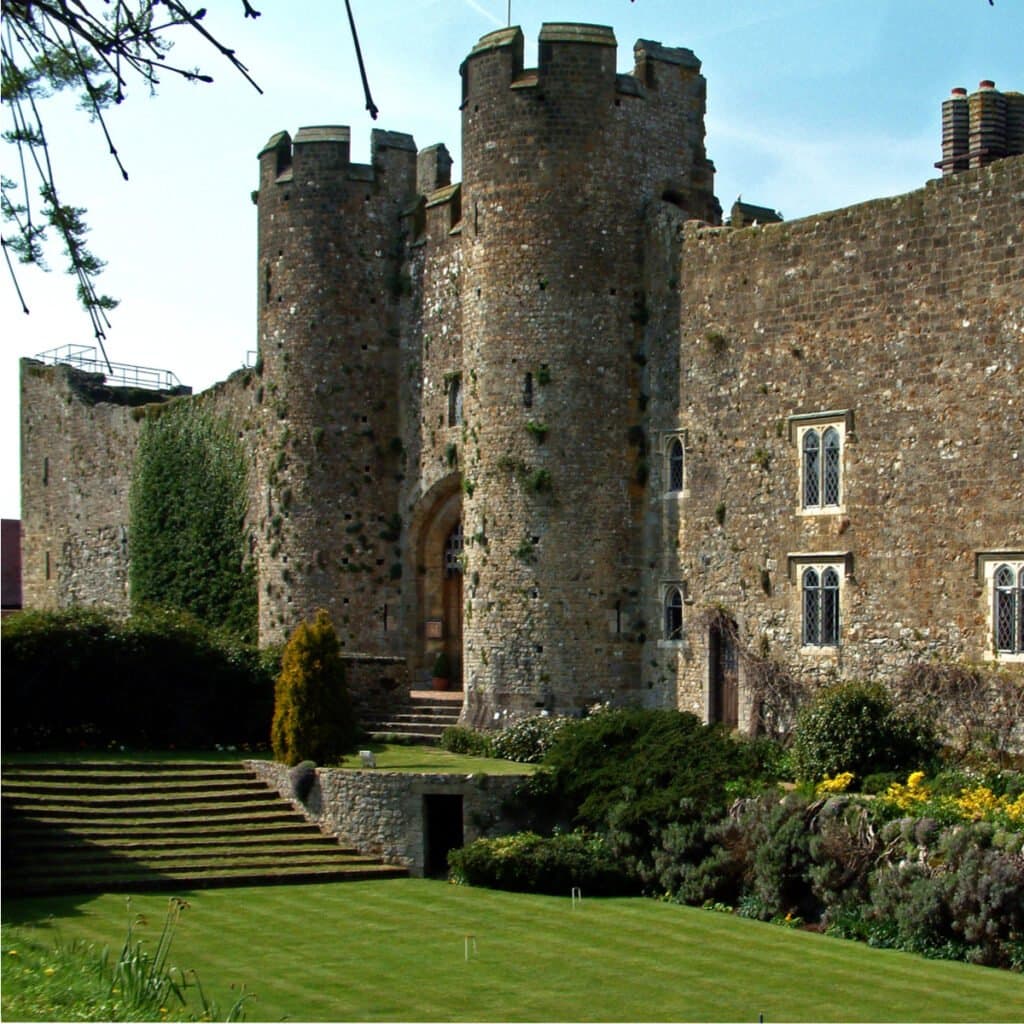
(557,422)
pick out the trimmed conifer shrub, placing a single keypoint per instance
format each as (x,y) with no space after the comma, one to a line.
(313,718)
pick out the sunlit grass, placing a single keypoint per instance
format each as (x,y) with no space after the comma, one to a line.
(397,950)
(396,757)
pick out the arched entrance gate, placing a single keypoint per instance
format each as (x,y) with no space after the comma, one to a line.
(439,581)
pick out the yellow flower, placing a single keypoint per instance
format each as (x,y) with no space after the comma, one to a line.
(12,952)
(50,970)
(839,784)
(1014,809)
(914,792)
(977,804)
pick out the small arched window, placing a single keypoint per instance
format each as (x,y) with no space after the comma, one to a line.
(1008,610)
(830,468)
(675,465)
(812,469)
(821,468)
(673,614)
(820,595)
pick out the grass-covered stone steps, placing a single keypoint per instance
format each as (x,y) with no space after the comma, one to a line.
(100,826)
(425,716)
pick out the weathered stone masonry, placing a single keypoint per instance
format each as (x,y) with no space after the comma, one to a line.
(385,813)
(471,396)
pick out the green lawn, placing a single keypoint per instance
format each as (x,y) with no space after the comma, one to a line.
(396,950)
(395,757)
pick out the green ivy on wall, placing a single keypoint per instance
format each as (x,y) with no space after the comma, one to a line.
(189,546)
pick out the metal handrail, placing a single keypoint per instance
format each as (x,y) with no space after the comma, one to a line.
(84,357)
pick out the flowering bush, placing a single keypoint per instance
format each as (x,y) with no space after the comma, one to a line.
(837,784)
(966,803)
(529,739)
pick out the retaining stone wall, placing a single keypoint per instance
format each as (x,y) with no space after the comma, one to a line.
(381,813)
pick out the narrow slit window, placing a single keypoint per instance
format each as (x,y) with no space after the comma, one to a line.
(830,469)
(455,401)
(1008,610)
(674,614)
(528,391)
(812,469)
(675,465)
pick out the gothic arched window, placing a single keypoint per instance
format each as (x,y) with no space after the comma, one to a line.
(1008,610)
(675,465)
(673,614)
(820,595)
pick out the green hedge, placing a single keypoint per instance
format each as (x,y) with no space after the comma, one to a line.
(527,862)
(77,679)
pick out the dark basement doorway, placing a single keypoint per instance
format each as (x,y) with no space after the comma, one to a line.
(442,828)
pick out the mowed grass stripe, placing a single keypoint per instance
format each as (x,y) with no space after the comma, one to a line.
(395,951)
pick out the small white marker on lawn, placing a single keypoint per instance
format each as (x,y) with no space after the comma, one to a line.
(470,946)
(576,895)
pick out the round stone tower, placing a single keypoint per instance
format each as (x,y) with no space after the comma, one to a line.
(561,165)
(329,455)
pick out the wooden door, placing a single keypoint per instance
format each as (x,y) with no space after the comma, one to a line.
(724,670)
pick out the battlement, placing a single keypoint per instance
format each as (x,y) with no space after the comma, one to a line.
(574,57)
(324,152)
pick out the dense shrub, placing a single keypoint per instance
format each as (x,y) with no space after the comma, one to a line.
(313,718)
(87,678)
(631,773)
(855,727)
(529,739)
(527,862)
(757,856)
(955,892)
(461,740)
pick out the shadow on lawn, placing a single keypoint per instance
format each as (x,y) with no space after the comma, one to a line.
(51,870)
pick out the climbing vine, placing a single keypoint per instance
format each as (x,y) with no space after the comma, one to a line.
(188,540)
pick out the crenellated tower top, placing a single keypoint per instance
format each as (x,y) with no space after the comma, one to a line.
(321,154)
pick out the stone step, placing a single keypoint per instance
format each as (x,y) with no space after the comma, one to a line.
(144,800)
(89,786)
(104,826)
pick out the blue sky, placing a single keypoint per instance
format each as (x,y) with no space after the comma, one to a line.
(812,105)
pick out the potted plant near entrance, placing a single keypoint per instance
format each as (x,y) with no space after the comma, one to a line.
(442,671)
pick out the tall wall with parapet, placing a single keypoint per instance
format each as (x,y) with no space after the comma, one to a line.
(78,439)
(560,164)
(901,321)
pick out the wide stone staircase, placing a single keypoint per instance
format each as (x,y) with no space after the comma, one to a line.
(423,718)
(116,826)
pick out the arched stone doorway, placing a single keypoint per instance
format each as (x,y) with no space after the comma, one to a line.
(439,581)
(723,673)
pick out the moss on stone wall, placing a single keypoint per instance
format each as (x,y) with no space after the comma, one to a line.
(188,538)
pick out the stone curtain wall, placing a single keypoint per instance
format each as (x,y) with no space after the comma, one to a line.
(77,451)
(381,813)
(909,314)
